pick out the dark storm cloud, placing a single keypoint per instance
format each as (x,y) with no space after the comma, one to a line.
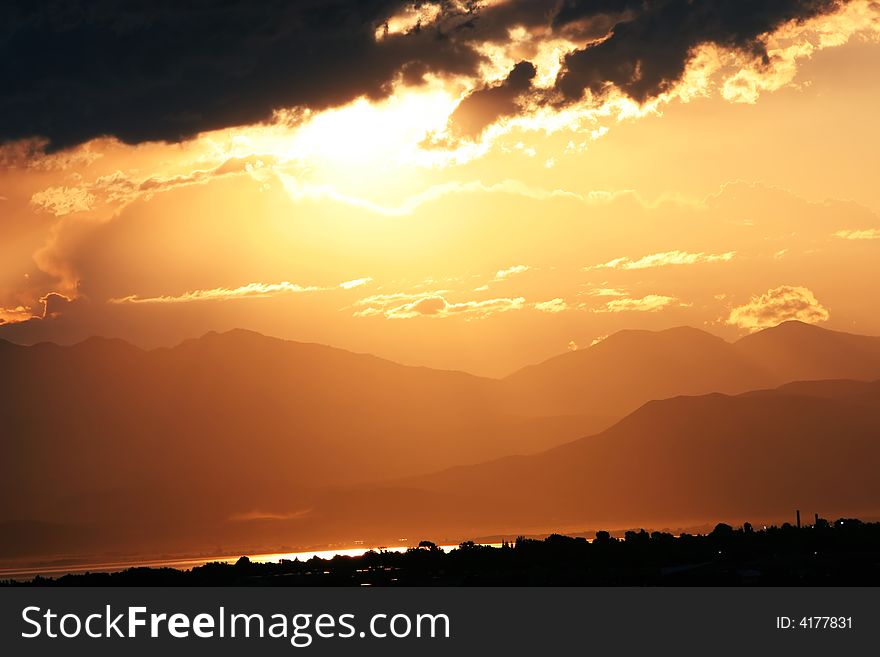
(484,106)
(166,69)
(648,51)
(71,70)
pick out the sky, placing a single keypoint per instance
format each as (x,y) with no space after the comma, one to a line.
(462,185)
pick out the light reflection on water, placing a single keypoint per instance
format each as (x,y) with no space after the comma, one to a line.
(56,569)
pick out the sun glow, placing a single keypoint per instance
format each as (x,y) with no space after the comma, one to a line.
(398,156)
(385,134)
(356,149)
(359,133)
(367,151)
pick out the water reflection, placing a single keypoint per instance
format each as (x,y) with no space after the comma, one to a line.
(58,568)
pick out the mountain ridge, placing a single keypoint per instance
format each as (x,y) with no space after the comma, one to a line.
(629,367)
(683,459)
(228,424)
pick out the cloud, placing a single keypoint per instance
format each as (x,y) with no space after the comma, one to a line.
(122,188)
(257,515)
(486,105)
(649,303)
(863,234)
(394,298)
(778,305)
(54,305)
(299,191)
(552,306)
(606,292)
(13,315)
(251,290)
(147,72)
(357,282)
(41,322)
(648,51)
(664,259)
(62,200)
(432,304)
(503,274)
(168,71)
(425,306)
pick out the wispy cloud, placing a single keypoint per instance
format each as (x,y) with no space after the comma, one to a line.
(251,290)
(606,292)
(258,515)
(513,270)
(357,282)
(553,306)
(304,191)
(863,234)
(122,188)
(664,259)
(649,303)
(432,304)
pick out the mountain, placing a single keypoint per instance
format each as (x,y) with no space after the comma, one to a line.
(628,368)
(240,439)
(631,367)
(685,461)
(813,446)
(795,351)
(224,425)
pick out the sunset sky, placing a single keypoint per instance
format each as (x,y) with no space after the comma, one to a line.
(471,186)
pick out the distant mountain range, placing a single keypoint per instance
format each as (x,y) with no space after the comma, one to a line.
(628,368)
(240,439)
(813,446)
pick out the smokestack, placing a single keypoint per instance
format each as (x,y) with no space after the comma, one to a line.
(816,522)
(798,512)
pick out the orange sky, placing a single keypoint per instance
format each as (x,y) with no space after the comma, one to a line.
(739,198)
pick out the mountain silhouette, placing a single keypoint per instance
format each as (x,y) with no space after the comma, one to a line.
(336,415)
(237,438)
(795,351)
(686,460)
(630,367)
(104,432)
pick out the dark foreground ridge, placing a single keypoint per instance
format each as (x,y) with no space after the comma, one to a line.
(843,553)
